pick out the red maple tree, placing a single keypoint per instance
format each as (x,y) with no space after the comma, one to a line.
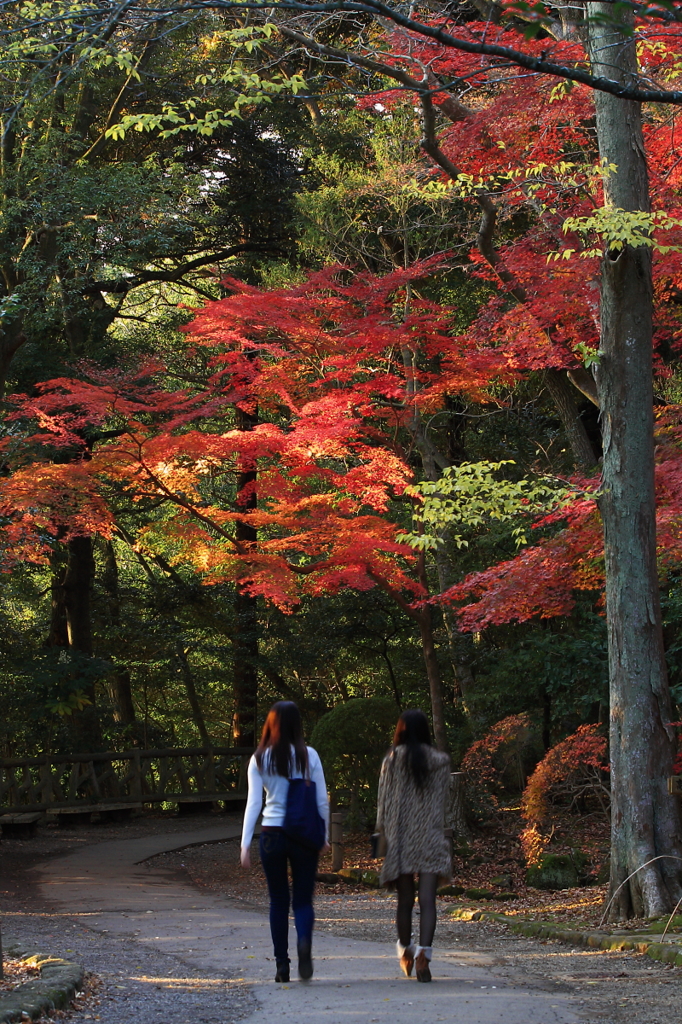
(321,364)
(324,365)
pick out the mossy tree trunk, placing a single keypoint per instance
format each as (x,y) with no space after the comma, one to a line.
(645,829)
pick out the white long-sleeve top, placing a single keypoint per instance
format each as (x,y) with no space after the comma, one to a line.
(276,788)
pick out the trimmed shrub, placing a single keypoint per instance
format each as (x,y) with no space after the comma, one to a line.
(352,740)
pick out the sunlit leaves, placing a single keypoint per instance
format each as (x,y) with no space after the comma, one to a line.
(543,579)
(470,496)
(65,706)
(618,228)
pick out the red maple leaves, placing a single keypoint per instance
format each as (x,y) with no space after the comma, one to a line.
(339,370)
(322,364)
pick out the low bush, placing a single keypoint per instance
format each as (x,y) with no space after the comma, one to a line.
(352,740)
(494,761)
(574,774)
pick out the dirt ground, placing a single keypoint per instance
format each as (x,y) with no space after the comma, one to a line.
(614,988)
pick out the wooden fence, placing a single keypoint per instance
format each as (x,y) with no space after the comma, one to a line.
(122,778)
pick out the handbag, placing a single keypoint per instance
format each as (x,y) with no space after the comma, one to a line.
(302,821)
(378,844)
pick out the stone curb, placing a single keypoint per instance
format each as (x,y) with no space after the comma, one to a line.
(667,952)
(59,981)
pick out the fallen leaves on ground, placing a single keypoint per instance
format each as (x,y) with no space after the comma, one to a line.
(85,1001)
(16,972)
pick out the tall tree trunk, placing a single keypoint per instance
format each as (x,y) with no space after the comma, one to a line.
(80,568)
(645,819)
(563,392)
(433,674)
(245,647)
(455,807)
(245,684)
(391,676)
(58,636)
(424,618)
(77,585)
(546,719)
(188,679)
(121,694)
(432,463)
(120,688)
(12,338)
(458,642)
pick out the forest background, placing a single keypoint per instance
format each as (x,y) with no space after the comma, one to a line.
(291,346)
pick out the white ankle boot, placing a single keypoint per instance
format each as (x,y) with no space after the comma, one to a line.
(422,959)
(406,957)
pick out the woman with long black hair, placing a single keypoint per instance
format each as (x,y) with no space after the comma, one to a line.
(412,790)
(280,756)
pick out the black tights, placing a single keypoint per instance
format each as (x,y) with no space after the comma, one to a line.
(427,907)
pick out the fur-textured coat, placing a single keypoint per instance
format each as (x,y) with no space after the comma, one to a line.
(411,819)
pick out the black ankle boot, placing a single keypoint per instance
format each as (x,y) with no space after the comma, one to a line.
(305,961)
(282,971)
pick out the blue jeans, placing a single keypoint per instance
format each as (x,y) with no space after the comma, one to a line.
(275,852)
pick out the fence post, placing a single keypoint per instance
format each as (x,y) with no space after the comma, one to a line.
(337,840)
(137,781)
(243,780)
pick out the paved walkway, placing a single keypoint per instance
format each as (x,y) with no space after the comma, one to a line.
(110,890)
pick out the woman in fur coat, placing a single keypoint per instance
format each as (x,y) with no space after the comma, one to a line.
(412,790)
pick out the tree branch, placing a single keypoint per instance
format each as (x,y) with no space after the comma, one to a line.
(486,230)
(102,18)
(123,285)
(115,109)
(557,384)
(540,65)
(395,595)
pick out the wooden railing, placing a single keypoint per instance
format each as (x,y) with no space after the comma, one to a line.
(128,777)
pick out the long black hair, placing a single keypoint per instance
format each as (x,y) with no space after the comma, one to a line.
(283,730)
(413,732)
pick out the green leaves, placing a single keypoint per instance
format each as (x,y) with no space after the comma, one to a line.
(618,228)
(174,119)
(66,706)
(251,37)
(532,178)
(561,90)
(590,356)
(102,57)
(470,496)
